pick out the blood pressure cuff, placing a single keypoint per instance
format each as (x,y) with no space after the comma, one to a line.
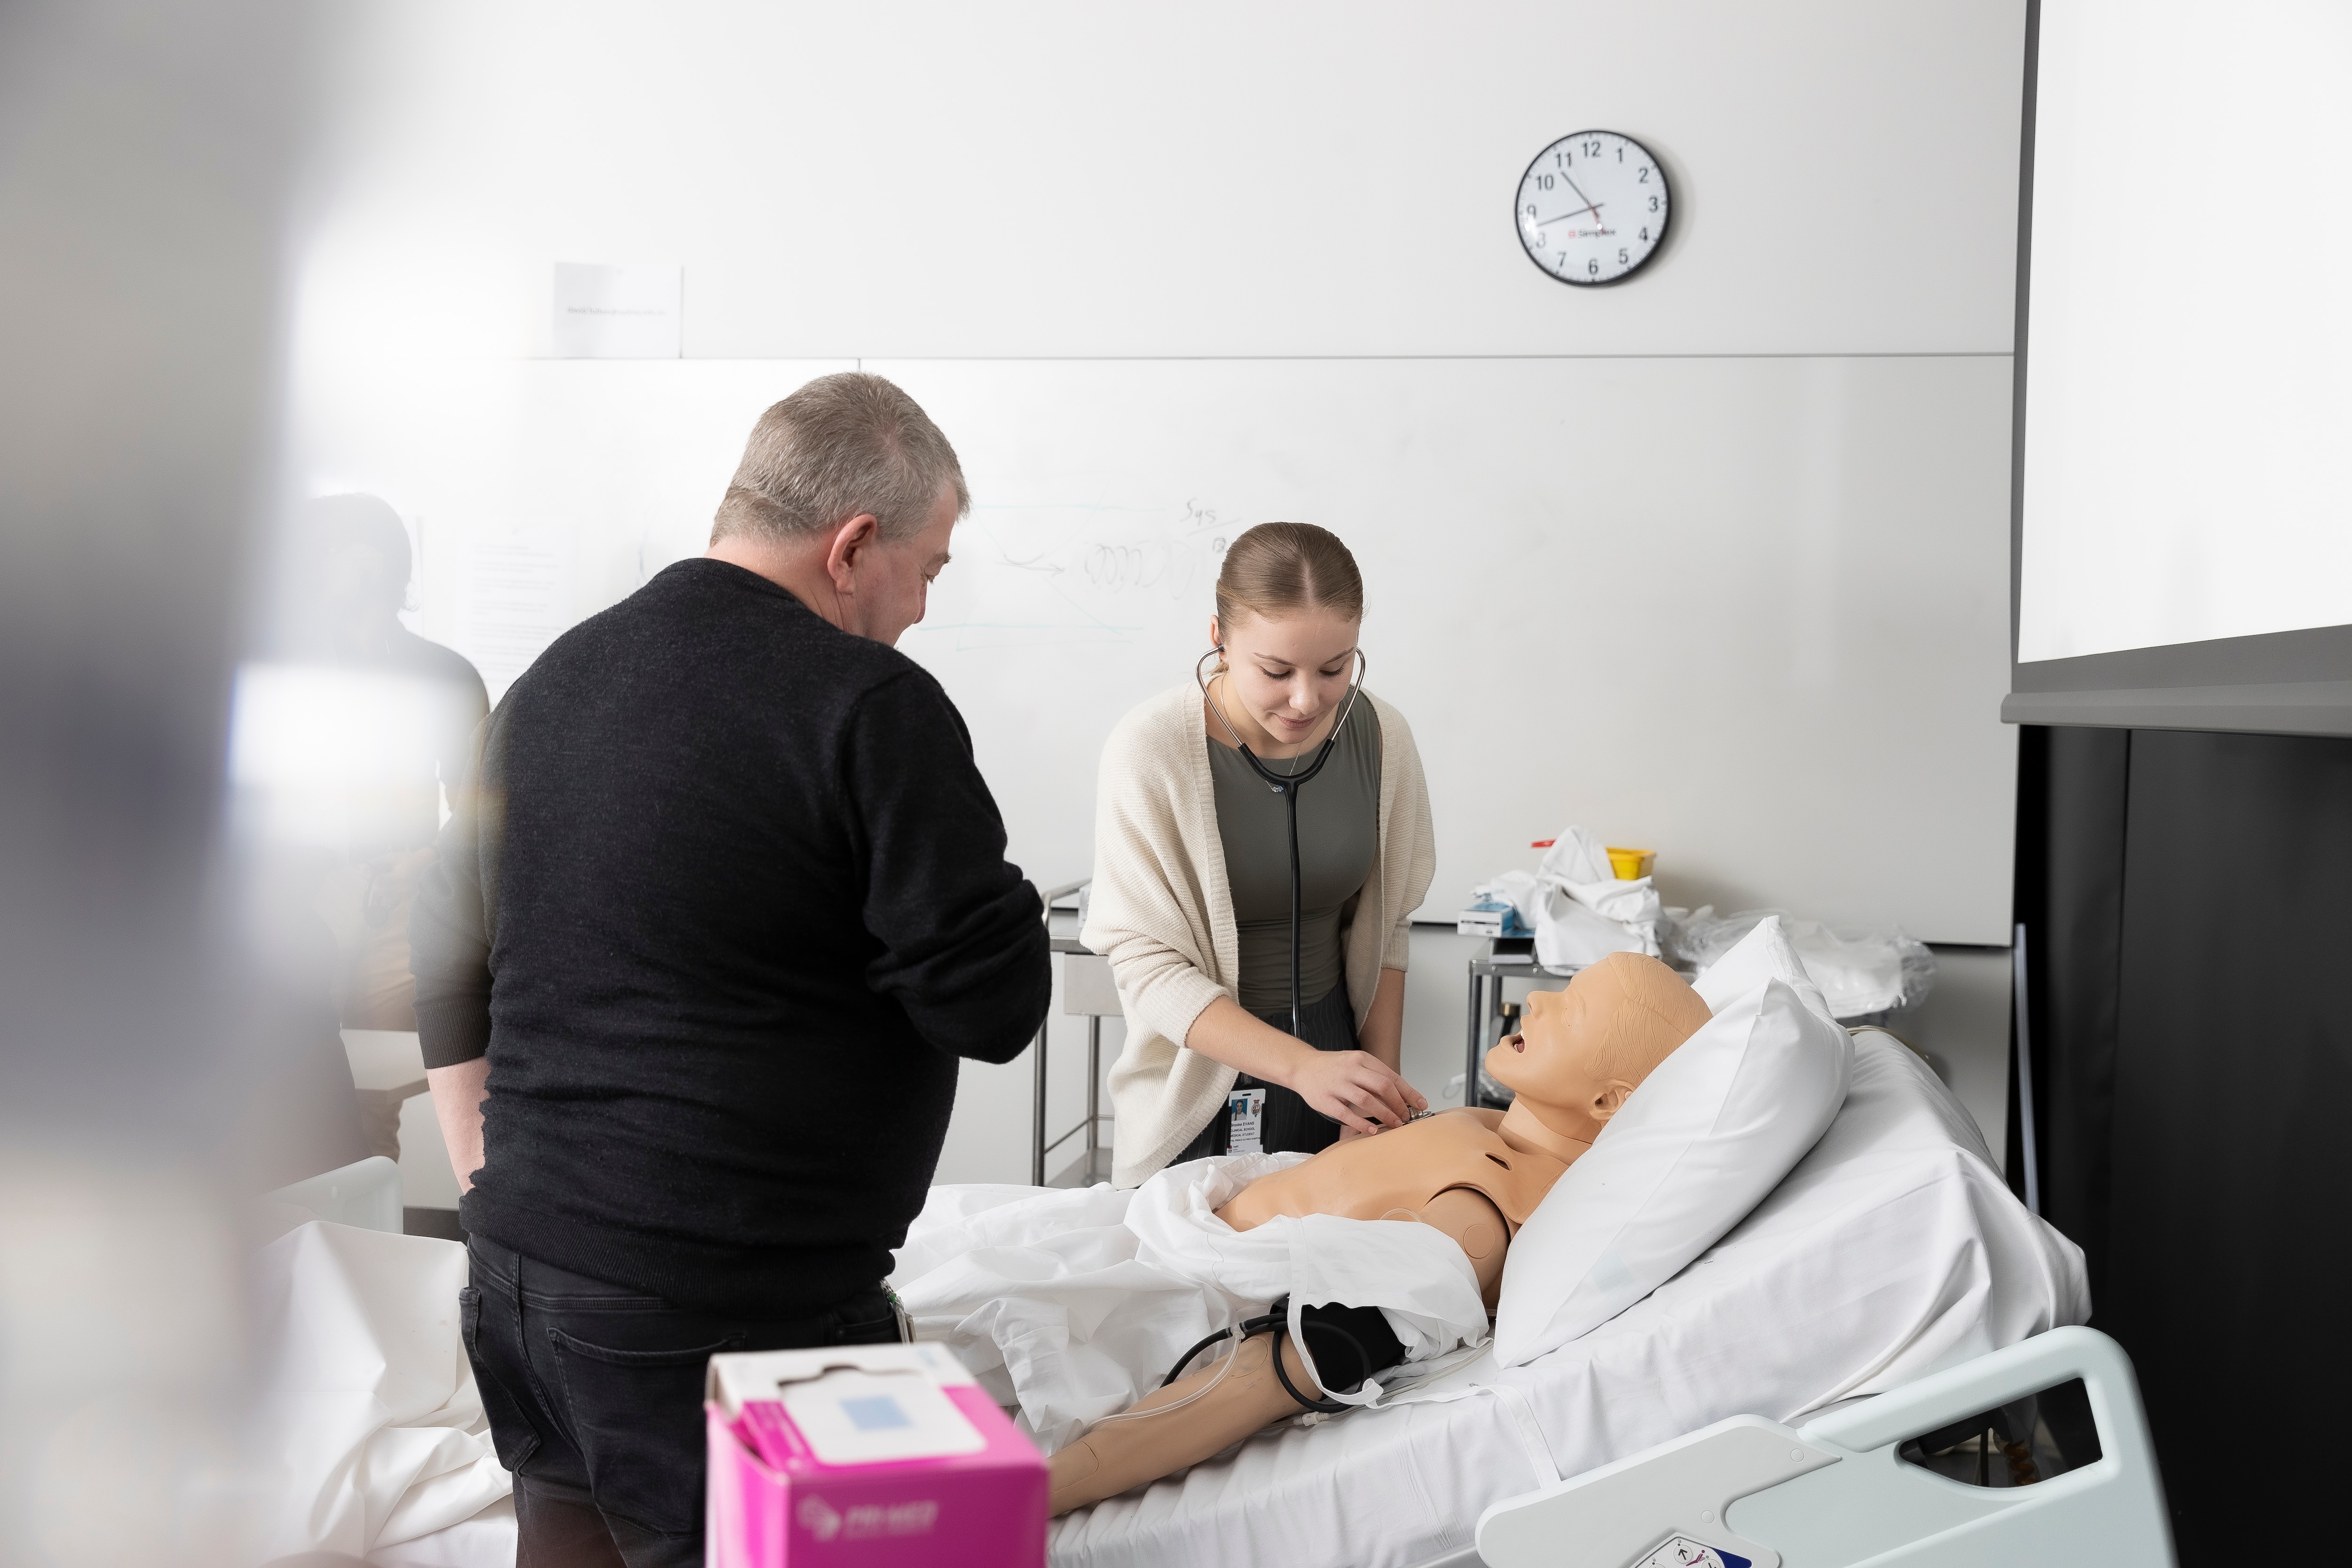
(1349,1344)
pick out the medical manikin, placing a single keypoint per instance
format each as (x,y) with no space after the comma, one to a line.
(1474,1174)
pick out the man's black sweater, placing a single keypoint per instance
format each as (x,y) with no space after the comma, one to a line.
(735,901)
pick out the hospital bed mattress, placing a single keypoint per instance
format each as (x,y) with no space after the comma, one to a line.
(1894,1250)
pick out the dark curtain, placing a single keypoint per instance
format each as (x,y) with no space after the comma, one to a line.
(2184,900)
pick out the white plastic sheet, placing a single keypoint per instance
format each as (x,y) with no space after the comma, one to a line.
(1075,1304)
(367,1408)
(1859,976)
(1576,906)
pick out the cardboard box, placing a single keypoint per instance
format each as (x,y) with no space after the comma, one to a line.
(875,1455)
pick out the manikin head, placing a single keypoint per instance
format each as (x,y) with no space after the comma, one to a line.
(1583,1052)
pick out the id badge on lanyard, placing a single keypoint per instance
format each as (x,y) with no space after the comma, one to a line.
(1246,1122)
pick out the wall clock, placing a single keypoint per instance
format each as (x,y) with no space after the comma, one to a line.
(1592,208)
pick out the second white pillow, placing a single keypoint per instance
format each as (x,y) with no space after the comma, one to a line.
(1711,1131)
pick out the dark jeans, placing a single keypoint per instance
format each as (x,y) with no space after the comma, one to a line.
(595,1395)
(1289,1125)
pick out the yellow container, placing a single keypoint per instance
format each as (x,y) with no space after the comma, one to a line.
(1631,865)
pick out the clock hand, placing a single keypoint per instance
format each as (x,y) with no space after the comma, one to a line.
(1579,212)
(1589,204)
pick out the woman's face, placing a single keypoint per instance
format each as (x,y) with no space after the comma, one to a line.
(1290,672)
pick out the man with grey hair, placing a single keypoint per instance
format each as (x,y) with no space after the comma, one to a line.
(694,971)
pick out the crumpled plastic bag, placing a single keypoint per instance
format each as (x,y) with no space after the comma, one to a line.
(1860,976)
(1578,909)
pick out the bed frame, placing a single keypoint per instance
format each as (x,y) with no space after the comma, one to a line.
(2036,1455)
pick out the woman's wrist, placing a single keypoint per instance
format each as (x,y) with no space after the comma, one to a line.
(1292,1055)
(1227,1034)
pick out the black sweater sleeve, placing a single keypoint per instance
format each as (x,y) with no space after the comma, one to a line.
(963,934)
(448,932)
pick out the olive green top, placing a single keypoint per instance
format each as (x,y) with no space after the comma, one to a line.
(1339,833)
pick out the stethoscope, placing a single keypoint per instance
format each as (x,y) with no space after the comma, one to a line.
(1285,786)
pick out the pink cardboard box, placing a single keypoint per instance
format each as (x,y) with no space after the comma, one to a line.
(875,1455)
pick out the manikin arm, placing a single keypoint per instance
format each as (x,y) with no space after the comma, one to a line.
(1155,1438)
(1152,1440)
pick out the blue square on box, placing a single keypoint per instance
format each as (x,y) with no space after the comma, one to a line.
(874,1412)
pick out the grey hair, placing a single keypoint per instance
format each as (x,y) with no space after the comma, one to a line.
(842,445)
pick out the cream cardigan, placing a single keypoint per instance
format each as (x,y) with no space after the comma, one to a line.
(1161,911)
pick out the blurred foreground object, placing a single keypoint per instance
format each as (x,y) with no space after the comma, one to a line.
(147,153)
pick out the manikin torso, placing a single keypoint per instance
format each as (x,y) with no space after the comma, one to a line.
(1479,1175)
(1374,1178)
(1454,1171)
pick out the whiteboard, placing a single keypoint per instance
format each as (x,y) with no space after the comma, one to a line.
(1752,612)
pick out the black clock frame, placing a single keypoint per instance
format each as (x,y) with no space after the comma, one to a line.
(1665,184)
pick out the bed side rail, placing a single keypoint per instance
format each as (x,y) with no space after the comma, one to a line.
(2035,1455)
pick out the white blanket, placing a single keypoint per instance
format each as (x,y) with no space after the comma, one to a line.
(367,1406)
(1893,1250)
(1075,1304)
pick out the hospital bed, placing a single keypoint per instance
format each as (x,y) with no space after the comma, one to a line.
(1890,1285)
(1892,1253)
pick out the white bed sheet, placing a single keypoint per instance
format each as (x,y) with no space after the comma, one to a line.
(1073,1304)
(367,1405)
(1893,1249)
(485,1541)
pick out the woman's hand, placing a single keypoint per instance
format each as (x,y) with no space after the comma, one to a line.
(1357,1090)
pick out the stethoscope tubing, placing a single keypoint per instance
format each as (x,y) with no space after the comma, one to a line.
(1288,787)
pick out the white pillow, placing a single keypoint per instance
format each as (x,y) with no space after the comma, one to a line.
(1711,1131)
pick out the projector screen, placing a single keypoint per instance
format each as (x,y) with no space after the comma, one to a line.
(2183,449)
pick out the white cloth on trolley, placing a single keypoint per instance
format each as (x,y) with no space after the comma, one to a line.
(1073,1304)
(1893,1249)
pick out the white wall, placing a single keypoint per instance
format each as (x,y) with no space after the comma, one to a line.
(1044,179)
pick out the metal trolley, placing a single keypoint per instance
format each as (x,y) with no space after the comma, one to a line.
(1087,993)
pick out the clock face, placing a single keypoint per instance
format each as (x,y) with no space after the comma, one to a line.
(1592,208)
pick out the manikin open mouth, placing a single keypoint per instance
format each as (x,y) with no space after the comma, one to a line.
(1518,1042)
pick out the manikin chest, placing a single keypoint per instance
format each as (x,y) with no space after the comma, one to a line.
(1406,1169)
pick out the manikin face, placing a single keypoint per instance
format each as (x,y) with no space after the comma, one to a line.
(1570,1054)
(1287,673)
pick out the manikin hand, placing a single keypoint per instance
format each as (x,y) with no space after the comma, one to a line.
(1356,1089)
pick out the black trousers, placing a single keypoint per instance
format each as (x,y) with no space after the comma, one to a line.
(595,1395)
(1289,1125)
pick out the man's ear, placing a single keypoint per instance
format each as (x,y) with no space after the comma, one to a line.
(1612,1100)
(845,554)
